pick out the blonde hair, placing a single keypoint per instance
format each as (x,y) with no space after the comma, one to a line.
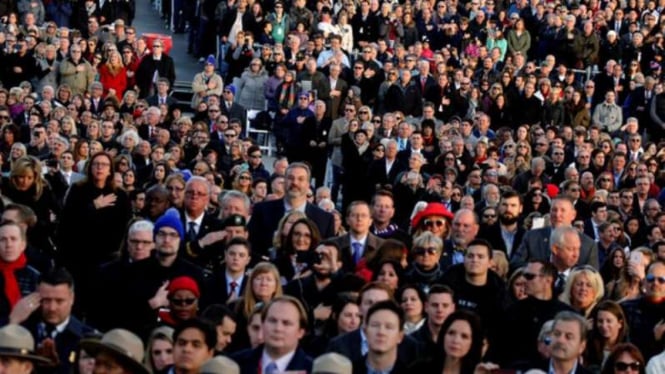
(250,301)
(596,283)
(29,164)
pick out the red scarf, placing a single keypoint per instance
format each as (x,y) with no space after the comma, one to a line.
(12,290)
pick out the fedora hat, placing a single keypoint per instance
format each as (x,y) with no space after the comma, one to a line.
(126,347)
(16,341)
(220,365)
(333,363)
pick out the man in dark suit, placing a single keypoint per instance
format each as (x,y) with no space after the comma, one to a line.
(203,231)
(598,210)
(382,344)
(139,246)
(424,79)
(536,243)
(384,171)
(230,108)
(266,215)
(506,235)
(162,95)
(54,324)
(568,343)
(358,243)
(230,280)
(284,324)
(415,146)
(157,63)
(354,345)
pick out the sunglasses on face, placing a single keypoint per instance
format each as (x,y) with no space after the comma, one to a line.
(530,276)
(652,278)
(183,302)
(433,222)
(623,366)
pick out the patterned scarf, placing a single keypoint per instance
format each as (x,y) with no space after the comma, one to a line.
(287,96)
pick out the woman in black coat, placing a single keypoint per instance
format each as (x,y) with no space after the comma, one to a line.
(93,223)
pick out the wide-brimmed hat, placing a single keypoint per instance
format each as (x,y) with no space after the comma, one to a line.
(126,347)
(220,365)
(432,209)
(16,341)
(333,363)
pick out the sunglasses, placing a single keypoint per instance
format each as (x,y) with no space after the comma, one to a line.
(183,302)
(623,366)
(652,278)
(489,215)
(421,251)
(530,276)
(432,222)
(245,178)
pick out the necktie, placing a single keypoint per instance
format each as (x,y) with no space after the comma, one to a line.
(161,101)
(560,281)
(357,249)
(191,232)
(47,330)
(68,178)
(270,369)
(234,286)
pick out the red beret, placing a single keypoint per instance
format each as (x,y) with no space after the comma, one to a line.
(184,283)
(432,209)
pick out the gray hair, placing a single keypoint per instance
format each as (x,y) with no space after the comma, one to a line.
(140,226)
(558,236)
(199,179)
(129,134)
(428,238)
(226,196)
(568,316)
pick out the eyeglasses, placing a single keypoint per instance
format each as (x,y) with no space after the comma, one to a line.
(431,222)
(421,251)
(652,278)
(195,194)
(183,302)
(255,156)
(4,117)
(376,121)
(489,215)
(213,110)
(100,164)
(623,366)
(230,135)
(530,276)
(165,234)
(140,242)
(245,178)
(363,112)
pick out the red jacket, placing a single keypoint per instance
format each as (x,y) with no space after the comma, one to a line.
(118,81)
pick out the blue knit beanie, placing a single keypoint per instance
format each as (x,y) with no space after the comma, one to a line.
(170,218)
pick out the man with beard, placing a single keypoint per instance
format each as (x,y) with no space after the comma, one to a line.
(506,235)
(321,287)
(266,215)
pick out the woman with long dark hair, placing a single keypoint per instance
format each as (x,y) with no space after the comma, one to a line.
(459,346)
(93,222)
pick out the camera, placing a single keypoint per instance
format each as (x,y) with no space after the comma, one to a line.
(308,257)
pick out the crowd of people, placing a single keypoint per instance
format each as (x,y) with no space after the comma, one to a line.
(459,187)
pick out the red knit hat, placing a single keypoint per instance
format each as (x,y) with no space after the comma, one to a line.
(184,283)
(432,209)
